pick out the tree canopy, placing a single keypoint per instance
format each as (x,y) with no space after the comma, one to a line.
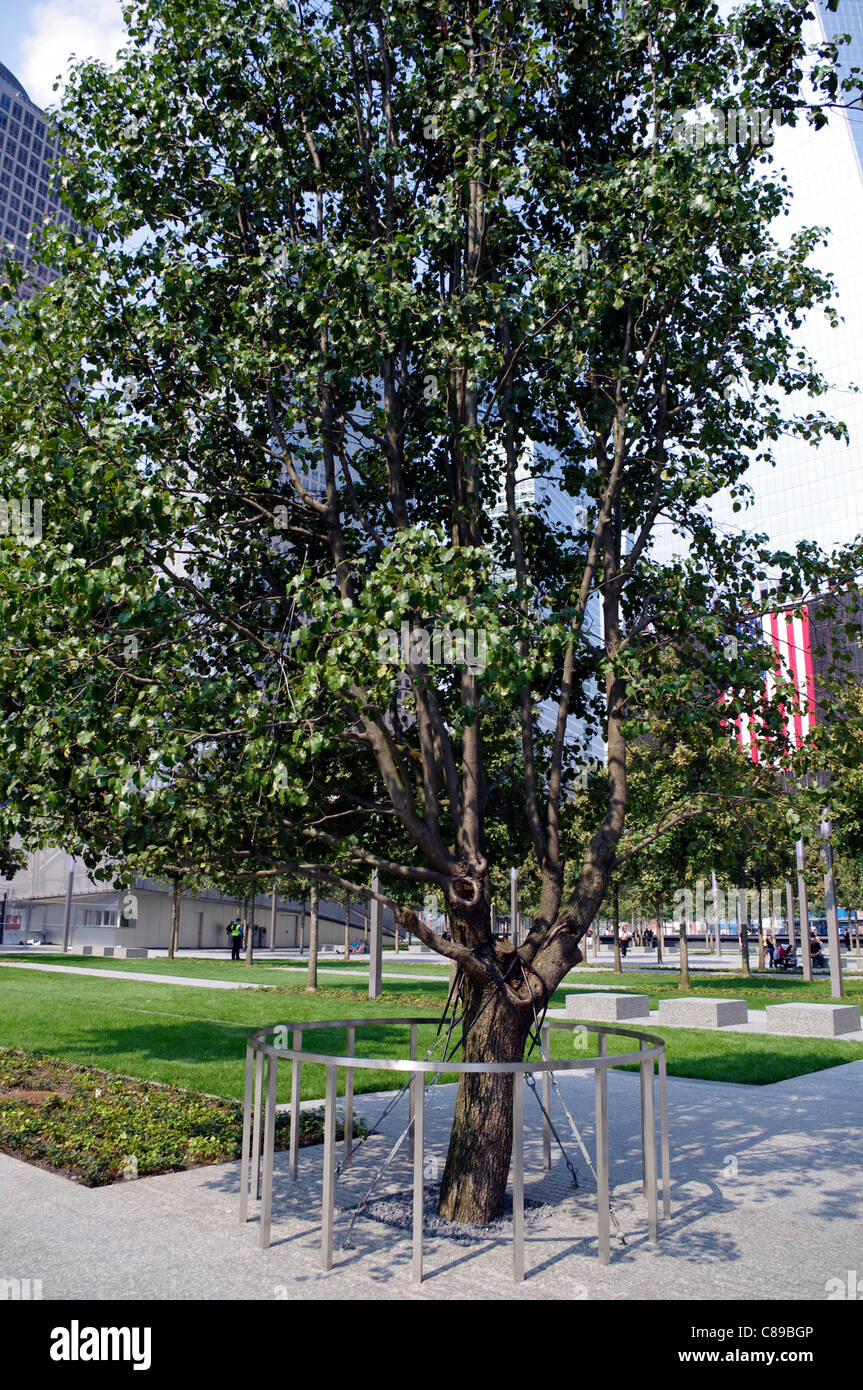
(360,272)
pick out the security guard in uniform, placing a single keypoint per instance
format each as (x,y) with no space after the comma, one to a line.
(235,932)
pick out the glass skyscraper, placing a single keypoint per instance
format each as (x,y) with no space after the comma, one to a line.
(27,192)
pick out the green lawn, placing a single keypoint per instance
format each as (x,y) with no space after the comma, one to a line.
(195,1037)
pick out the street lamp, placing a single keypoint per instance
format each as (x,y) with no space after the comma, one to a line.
(800,854)
(826,831)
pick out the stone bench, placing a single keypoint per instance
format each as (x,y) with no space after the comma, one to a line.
(607,1007)
(813,1020)
(119,952)
(703,1013)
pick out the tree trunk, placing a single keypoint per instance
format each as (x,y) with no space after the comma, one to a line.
(301,927)
(480,1148)
(348,929)
(760,929)
(175,921)
(659,919)
(312,979)
(615,931)
(250,929)
(684,959)
(744,934)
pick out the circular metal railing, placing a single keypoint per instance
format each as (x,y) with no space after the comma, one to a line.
(267,1047)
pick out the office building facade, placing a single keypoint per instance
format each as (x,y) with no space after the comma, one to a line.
(28,192)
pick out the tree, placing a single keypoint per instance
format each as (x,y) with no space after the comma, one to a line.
(358,268)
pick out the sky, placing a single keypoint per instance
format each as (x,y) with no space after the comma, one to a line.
(38,36)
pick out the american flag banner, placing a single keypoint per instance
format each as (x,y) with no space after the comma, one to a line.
(787,635)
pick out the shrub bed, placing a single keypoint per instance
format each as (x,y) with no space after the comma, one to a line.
(98,1128)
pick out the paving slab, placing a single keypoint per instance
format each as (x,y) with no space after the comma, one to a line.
(766,1206)
(138,975)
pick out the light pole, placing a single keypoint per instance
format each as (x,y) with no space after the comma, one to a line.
(800,853)
(67,914)
(832,915)
(789,910)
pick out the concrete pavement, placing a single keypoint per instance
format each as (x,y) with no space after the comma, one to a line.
(766,1205)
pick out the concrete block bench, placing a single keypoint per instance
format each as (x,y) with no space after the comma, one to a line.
(813,1020)
(607,1007)
(703,1013)
(119,952)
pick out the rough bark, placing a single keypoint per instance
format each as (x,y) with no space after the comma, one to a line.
(250,929)
(615,931)
(683,984)
(743,932)
(312,978)
(477,1165)
(175,921)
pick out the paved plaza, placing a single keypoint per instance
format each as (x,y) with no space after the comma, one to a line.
(765,1188)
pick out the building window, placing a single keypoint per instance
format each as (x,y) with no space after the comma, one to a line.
(99,917)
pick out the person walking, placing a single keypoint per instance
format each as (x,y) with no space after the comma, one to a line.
(235,932)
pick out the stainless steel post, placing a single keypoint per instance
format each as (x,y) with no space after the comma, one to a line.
(411,1094)
(269,1146)
(546,1100)
(296,1044)
(328,1196)
(257,1124)
(649,1121)
(663,1137)
(518,1178)
(349,1098)
(603,1215)
(418,1137)
(643,1128)
(513,906)
(245,1152)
